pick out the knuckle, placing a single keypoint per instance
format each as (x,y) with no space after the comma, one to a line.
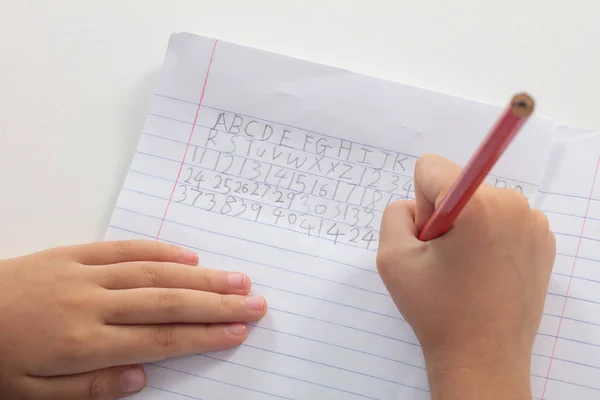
(421,163)
(164,251)
(396,211)
(479,202)
(385,260)
(541,219)
(78,338)
(153,275)
(165,336)
(124,249)
(393,207)
(518,201)
(227,307)
(72,346)
(71,303)
(509,203)
(478,205)
(169,301)
(51,255)
(208,279)
(552,242)
(427,158)
(161,248)
(213,335)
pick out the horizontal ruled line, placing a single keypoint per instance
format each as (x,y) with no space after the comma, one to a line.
(577,236)
(570,215)
(338,346)
(566,382)
(569,339)
(330,301)
(289,377)
(219,381)
(574,298)
(172,392)
(333,366)
(586,198)
(567,361)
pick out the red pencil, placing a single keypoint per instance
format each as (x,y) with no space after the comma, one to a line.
(511,121)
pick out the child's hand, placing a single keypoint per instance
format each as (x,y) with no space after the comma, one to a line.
(75,322)
(475,295)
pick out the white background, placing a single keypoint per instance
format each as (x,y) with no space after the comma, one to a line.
(76,78)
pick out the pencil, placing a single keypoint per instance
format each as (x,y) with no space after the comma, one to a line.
(484,159)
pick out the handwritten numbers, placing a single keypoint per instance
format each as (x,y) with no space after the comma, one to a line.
(369,238)
(182,193)
(335,232)
(227,206)
(257,208)
(305,224)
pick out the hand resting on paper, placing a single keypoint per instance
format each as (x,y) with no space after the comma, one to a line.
(474,296)
(76,321)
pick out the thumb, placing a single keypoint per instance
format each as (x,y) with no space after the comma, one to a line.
(434,175)
(105,384)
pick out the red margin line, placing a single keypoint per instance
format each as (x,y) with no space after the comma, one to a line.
(571,277)
(189,140)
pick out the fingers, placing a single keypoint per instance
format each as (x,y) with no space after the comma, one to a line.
(398,222)
(551,253)
(546,238)
(164,306)
(150,343)
(434,175)
(106,384)
(398,230)
(102,253)
(169,275)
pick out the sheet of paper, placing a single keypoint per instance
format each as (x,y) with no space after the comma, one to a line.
(566,360)
(281,168)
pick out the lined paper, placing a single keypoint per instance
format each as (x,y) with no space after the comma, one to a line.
(281,168)
(566,360)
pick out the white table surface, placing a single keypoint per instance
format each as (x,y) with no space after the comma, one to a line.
(76,78)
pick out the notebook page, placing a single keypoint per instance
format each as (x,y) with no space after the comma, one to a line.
(281,168)
(566,360)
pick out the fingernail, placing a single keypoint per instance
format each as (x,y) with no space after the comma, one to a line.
(132,380)
(237,329)
(188,256)
(236,281)
(255,303)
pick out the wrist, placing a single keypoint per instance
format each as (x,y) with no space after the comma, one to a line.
(478,375)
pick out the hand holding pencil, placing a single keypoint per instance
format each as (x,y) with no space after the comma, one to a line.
(473,296)
(509,124)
